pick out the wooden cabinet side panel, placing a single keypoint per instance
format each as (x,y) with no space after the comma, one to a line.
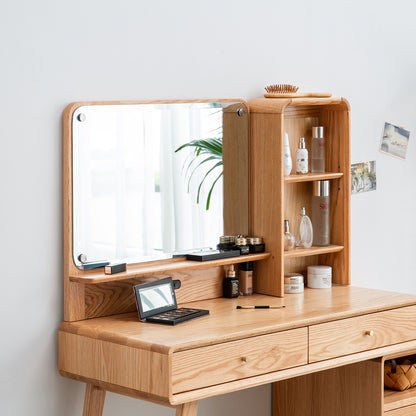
(144,371)
(266,198)
(351,390)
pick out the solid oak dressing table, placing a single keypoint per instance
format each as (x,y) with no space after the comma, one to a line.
(323,353)
(336,336)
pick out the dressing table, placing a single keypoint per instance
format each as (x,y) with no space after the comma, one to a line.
(323,353)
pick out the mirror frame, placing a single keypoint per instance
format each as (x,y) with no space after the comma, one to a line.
(70,269)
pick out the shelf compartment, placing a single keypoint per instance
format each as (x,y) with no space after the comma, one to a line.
(309,177)
(171,265)
(396,399)
(313,251)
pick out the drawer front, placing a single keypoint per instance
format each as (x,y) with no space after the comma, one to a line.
(351,335)
(215,364)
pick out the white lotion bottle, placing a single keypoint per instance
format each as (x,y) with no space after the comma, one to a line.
(302,158)
(287,157)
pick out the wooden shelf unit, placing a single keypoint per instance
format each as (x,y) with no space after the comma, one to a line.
(399,403)
(165,266)
(274,197)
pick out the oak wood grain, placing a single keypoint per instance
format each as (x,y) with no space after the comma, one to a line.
(233,360)
(396,399)
(187,409)
(94,400)
(347,336)
(344,391)
(403,411)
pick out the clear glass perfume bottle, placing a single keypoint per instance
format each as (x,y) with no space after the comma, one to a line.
(303,230)
(289,239)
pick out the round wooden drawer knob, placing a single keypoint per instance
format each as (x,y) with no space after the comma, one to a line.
(245,359)
(369,333)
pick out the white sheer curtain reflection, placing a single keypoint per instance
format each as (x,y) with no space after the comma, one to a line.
(131,198)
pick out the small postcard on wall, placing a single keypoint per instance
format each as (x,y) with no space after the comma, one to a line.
(363,177)
(394,141)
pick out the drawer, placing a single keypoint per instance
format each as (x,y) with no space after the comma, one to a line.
(351,335)
(220,363)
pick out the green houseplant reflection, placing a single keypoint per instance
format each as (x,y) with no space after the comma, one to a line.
(204,151)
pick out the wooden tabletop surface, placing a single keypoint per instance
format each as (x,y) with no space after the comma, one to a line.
(226,323)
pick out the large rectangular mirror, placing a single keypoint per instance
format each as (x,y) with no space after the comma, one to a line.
(156,180)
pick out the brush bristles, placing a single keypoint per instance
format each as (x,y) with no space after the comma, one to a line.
(281,89)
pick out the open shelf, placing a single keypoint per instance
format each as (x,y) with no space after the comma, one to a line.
(171,265)
(396,399)
(313,251)
(309,177)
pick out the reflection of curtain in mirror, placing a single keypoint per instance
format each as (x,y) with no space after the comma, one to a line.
(116,181)
(186,224)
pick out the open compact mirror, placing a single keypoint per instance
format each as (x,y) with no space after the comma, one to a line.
(153,181)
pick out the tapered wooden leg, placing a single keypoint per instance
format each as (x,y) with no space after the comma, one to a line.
(187,409)
(94,401)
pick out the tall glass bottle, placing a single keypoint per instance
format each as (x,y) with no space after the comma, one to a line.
(318,150)
(303,230)
(289,238)
(320,213)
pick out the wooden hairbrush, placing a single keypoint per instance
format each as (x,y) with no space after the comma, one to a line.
(291,91)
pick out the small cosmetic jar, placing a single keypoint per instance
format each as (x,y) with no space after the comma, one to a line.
(226,243)
(255,244)
(294,283)
(319,277)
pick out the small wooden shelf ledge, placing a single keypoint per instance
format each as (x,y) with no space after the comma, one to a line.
(172,265)
(309,177)
(396,399)
(313,251)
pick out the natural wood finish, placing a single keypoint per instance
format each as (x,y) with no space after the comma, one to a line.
(94,400)
(333,339)
(230,361)
(313,251)
(298,95)
(235,147)
(396,399)
(403,411)
(163,401)
(78,301)
(293,178)
(275,197)
(114,363)
(157,268)
(226,323)
(344,391)
(187,409)
(266,198)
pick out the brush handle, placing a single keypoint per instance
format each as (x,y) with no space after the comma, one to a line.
(298,95)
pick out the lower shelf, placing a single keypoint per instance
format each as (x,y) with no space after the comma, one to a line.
(398,399)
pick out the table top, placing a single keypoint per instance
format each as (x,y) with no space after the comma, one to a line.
(226,323)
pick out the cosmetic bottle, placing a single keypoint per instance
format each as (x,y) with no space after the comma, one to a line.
(294,283)
(302,157)
(303,230)
(320,213)
(287,157)
(241,244)
(230,284)
(318,150)
(255,244)
(289,239)
(246,278)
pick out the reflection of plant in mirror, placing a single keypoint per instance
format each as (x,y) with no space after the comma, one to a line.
(211,149)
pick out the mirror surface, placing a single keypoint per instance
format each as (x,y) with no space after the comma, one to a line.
(154,181)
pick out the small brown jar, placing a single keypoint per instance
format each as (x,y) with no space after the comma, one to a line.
(256,244)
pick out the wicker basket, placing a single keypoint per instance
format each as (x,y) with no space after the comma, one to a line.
(399,376)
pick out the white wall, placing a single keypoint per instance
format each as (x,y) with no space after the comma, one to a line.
(55,52)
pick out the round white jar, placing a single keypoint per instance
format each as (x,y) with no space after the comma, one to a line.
(294,283)
(320,277)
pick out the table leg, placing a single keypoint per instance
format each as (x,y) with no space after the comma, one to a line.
(187,409)
(94,400)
